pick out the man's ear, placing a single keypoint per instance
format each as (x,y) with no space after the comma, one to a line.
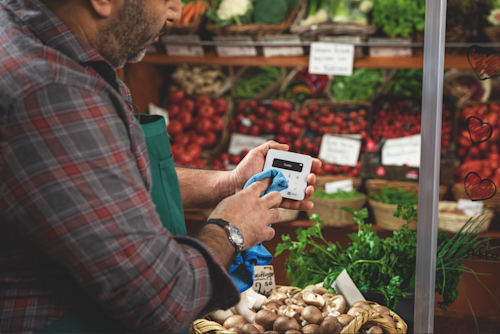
(102,8)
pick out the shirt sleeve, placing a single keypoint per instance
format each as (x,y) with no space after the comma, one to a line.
(73,186)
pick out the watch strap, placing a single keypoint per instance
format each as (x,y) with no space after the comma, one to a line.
(221,222)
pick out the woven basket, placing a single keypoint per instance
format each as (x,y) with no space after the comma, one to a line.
(330,211)
(454,35)
(459,192)
(289,215)
(184,29)
(204,326)
(493,34)
(254,29)
(322,180)
(384,216)
(453,222)
(311,32)
(375,186)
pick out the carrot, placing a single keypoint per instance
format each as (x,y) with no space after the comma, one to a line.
(187,12)
(198,10)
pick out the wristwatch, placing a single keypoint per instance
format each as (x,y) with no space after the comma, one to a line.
(233,233)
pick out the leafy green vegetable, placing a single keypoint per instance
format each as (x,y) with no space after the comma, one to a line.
(395,196)
(399,17)
(320,193)
(254,82)
(360,86)
(387,265)
(339,10)
(271,12)
(406,82)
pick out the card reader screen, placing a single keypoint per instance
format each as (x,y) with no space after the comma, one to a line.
(296,167)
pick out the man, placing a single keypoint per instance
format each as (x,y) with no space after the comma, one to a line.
(77,222)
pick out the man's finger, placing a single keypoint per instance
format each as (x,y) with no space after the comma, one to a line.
(316,163)
(270,232)
(273,199)
(311,179)
(260,186)
(296,205)
(309,192)
(264,148)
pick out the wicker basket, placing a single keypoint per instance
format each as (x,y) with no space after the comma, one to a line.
(384,216)
(322,180)
(375,186)
(289,215)
(453,222)
(459,192)
(330,211)
(204,326)
(184,29)
(454,35)
(493,34)
(255,29)
(327,28)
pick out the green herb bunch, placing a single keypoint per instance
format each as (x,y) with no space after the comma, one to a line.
(340,194)
(360,86)
(254,82)
(406,82)
(387,265)
(399,18)
(395,196)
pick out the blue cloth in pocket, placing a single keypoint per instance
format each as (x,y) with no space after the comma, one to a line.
(242,268)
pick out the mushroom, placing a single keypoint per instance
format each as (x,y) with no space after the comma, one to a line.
(382,310)
(330,325)
(336,304)
(271,332)
(389,318)
(293,331)
(282,324)
(288,301)
(375,330)
(312,315)
(290,311)
(327,296)
(277,295)
(221,315)
(265,318)
(234,323)
(354,311)
(259,299)
(272,305)
(299,301)
(334,313)
(289,293)
(345,319)
(312,298)
(260,328)
(249,329)
(316,289)
(311,329)
(242,309)
(362,304)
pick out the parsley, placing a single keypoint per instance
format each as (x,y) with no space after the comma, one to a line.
(340,194)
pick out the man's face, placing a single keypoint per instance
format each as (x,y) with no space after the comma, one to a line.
(136,25)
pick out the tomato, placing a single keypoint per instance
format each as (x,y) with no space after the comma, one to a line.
(380,171)
(324,111)
(203,100)
(281,139)
(194,151)
(174,111)
(269,127)
(174,128)
(234,159)
(281,119)
(243,129)
(285,129)
(217,124)
(276,105)
(304,113)
(176,97)
(199,140)
(295,132)
(206,111)
(300,122)
(188,106)
(254,130)
(220,106)
(261,111)
(185,158)
(182,138)
(309,147)
(186,119)
(313,107)
(203,125)
(285,105)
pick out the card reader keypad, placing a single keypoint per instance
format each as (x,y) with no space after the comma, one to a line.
(296,186)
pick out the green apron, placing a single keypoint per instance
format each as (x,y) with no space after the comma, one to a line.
(88,316)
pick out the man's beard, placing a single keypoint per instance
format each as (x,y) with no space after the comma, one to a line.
(127,37)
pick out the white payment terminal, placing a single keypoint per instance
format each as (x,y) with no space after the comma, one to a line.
(295,167)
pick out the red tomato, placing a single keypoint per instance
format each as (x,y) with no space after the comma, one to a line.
(217,124)
(176,97)
(186,119)
(182,138)
(174,111)
(203,125)
(188,106)
(254,130)
(174,128)
(206,111)
(203,100)
(194,151)
(220,106)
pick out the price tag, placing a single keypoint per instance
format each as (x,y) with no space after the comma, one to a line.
(282,51)
(155,110)
(470,208)
(331,58)
(236,51)
(333,187)
(263,279)
(339,150)
(402,151)
(185,50)
(239,143)
(380,51)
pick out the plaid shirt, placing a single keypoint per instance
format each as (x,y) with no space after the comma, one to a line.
(76,215)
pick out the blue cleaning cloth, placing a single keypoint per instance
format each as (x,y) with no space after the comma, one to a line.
(242,268)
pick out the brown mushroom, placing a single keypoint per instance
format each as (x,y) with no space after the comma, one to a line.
(382,310)
(345,319)
(277,295)
(336,304)
(388,317)
(288,301)
(271,332)
(289,293)
(235,323)
(312,298)
(311,329)
(249,329)
(375,330)
(354,311)
(260,328)
(327,296)
(282,324)
(299,301)
(312,315)
(272,305)
(362,304)
(293,331)
(330,325)
(265,318)
(290,311)
(316,289)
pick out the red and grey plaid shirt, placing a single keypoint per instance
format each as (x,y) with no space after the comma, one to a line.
(76,215)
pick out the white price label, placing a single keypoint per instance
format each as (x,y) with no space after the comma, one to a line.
(402,151)
(470,208)
(333,187)
(155,110)
(331,59)
(185,50)
(282,51)
(236,51)
(380,51)
(239,143)
(339,150)
(263,279)
(344,286)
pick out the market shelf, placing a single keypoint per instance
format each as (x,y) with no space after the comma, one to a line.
(459,62)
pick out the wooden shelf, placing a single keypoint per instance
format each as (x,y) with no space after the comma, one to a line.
(459,62)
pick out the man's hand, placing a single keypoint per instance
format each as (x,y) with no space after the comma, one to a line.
(253,164)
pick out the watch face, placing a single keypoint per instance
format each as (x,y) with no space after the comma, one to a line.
(236,236)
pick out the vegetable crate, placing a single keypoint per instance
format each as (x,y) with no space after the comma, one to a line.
(191,19)
(331,213)
(451,220)
(384,216)
(314,29)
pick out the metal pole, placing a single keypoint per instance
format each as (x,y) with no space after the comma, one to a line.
(432,99)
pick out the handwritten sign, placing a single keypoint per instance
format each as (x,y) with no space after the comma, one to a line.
(174,45)
(470,208)
(339,150)
(263,279)
(486,65)
(238,143)
(333,187)
(402,151)
(282,51)
(331,59)
(390,51)
(235,51)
